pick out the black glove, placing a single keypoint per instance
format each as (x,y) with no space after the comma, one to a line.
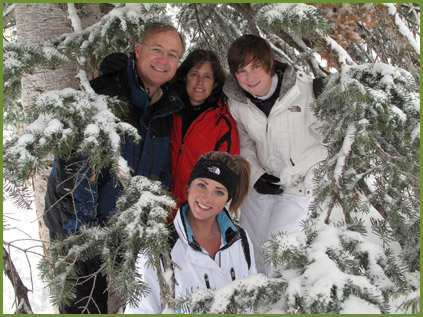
(266,185)
(112,64)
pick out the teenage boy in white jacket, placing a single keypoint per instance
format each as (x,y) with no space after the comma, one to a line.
(279,136)
(209,249)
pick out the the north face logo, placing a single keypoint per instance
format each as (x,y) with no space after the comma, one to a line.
(295,109)
(214,170)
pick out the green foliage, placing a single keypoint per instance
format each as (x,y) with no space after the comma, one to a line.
(299,20)
(211,26)
(20,59)
(286,250)
(118,31)
(411,300)
(250,294)
(68,123)
(336,263)
(137,224)
(13,112)
(370,121)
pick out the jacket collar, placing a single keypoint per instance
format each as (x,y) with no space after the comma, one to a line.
(228,229)
(168,102)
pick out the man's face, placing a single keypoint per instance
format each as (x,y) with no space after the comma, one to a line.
(153,69)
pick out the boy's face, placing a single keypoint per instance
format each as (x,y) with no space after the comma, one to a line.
(254,79)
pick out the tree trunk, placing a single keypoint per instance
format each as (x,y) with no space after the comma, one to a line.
(36,23)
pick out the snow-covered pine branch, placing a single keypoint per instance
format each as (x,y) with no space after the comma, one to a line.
(255,293)
(137,224)
(116,31)
(293,23)
(328,267)
(69,124)
(20,59)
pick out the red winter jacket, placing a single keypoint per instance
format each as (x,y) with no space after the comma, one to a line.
(212,130)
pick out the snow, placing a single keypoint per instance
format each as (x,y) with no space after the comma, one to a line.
(23,228)
(343,57)
(73,16)
(346,148)
(355,305)
(415,43)
(82,75)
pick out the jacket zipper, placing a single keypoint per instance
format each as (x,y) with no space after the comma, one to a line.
(190,128)
(150,170)
(206,279)
(233,274)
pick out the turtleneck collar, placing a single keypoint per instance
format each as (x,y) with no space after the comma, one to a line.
(272,88)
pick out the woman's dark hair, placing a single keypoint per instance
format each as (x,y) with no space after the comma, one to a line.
(199,57)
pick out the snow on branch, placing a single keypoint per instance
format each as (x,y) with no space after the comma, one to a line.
(343,57)
(19,59)
(73,16)
(402,28)
(67,123)
(138,223)
(343,153)
(246,295)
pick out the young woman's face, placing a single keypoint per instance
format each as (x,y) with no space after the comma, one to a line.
(254,79)
(206,198)
(200,83)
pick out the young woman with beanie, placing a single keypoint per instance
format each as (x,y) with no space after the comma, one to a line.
(208,248)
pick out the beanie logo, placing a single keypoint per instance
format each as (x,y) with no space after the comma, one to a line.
(214,170)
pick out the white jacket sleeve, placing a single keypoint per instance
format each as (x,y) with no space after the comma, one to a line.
(247,145)
(151,304)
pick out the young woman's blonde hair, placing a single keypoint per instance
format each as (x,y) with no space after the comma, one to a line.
(240,167)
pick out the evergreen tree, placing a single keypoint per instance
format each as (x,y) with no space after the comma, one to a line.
(366,190)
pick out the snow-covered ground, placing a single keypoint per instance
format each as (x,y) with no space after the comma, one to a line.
(21,226)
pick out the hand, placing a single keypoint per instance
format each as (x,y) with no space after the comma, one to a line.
(112,64)
(266,185)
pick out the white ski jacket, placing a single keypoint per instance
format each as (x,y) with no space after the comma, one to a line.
(286,144)
(197,270)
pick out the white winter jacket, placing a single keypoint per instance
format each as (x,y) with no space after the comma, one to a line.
(197,269)
(286,144)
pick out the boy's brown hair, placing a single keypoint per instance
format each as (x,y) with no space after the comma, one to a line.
(250,48)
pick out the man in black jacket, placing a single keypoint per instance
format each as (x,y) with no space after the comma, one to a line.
(143,82)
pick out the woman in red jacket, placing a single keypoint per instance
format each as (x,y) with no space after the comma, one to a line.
(204,124)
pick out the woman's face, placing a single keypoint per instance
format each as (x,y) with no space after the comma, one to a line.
(200,83)
(254,79)
(206,198)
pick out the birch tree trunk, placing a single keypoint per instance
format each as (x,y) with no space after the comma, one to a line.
(36,23)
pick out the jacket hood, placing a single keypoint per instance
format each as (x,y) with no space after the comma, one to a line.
(233,90)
